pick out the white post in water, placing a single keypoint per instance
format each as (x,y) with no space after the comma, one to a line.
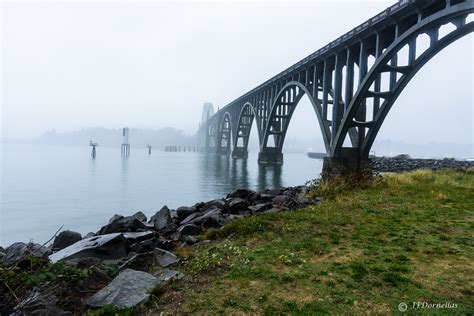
(125,144)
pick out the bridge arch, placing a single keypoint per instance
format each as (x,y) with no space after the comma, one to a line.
(243,129)
(457,15)
(279,119)
(225,135)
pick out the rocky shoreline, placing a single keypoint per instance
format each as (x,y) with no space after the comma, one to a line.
(402,163)
(126,259)
(139,249)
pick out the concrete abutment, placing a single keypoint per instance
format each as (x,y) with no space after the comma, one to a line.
(347,162)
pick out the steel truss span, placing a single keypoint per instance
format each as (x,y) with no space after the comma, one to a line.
(351,83)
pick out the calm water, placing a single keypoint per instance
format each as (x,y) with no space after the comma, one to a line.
(45,187)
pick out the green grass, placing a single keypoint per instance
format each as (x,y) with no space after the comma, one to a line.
(405,238)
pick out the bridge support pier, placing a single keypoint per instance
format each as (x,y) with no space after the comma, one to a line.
(270,155)
(240,153)
(348,162)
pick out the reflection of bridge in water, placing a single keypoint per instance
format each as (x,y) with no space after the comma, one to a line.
(351,83)
(226,174)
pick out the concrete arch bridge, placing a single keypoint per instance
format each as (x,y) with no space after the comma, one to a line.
(352,83)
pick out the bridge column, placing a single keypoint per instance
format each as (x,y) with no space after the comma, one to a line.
(240,153)
(348,161)
(270,155)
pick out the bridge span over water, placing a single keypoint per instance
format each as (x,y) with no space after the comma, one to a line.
(351,83)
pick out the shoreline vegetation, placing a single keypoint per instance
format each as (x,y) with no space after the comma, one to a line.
(347,245)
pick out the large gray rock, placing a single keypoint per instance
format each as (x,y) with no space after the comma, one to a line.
(162,220)
(140,262)
(134,237)
(190,218)
(258,208)
(140,216)
(211,218)
(237,205)
(240,193)
(124,224)
(89,235)
(189,229)
(265,197)
(115,218)
(273,192)
(109,246)
(199,205)
(65,239)
(185,211)
(220,204)
(283,200)
(143,246)
(165,258)
(19,251)
(149,260)
(130,288)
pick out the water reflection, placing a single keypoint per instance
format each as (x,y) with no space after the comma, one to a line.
(239,173)
(92,167)
(124,191)
(223,174)
(269,176)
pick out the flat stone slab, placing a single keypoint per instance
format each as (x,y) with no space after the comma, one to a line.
(164,258)
(130,288)
(109,246)
(147,260)
(134,237)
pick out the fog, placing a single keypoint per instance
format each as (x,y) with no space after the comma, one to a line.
(73,65)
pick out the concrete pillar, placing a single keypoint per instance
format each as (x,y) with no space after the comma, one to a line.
(270,155)
(348,162)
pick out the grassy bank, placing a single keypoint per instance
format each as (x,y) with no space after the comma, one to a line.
(406,238)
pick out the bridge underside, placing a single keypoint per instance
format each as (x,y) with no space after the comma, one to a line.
(351,83)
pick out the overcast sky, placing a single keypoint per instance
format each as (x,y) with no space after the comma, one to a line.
(69,65)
